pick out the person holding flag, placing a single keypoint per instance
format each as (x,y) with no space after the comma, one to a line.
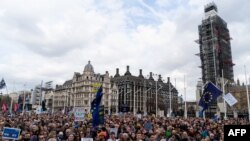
(95,104)
(210,94)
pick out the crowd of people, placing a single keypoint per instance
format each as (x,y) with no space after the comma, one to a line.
(127,127)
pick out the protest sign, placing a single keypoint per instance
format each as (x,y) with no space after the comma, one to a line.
(11,133)
(79,113)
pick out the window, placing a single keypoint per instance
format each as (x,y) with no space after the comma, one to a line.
(85,102)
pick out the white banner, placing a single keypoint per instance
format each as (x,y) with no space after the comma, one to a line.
(230,99)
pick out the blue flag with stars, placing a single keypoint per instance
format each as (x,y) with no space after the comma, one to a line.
(2,84)
(95,105)
(210,94)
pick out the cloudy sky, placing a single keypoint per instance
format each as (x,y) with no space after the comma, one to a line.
(51,39)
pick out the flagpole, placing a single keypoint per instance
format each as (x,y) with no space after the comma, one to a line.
(170,101)
(224,103)
(11,104)
(185,113)
(24,101)
(156,99)
(7,91)
(204,112)
(247,94)
(134,99)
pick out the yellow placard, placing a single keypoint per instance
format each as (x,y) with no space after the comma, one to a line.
(95,87)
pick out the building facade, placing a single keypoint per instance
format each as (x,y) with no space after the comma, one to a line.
(239,92)
(81,90)
(138,93)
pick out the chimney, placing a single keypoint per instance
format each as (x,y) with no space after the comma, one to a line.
(168,79)
(140,73)
(117,73)
(151,76)
(159,79)
(127,73)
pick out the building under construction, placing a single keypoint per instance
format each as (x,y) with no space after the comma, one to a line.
(215,49)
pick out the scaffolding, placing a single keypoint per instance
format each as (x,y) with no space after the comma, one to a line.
(215,49)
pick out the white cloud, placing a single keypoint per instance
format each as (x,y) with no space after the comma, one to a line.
(50,40)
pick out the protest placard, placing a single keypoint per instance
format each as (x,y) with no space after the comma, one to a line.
(79,113)
(11,133)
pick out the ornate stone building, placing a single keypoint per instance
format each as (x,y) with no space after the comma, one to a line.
(81,90)
(239,92)
(139,93)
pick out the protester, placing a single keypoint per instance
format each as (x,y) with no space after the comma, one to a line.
(61,127)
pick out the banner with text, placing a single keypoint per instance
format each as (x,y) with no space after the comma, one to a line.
(79,113)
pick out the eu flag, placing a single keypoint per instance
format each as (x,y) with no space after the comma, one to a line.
(95,104)
(2,84)
(210,94)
